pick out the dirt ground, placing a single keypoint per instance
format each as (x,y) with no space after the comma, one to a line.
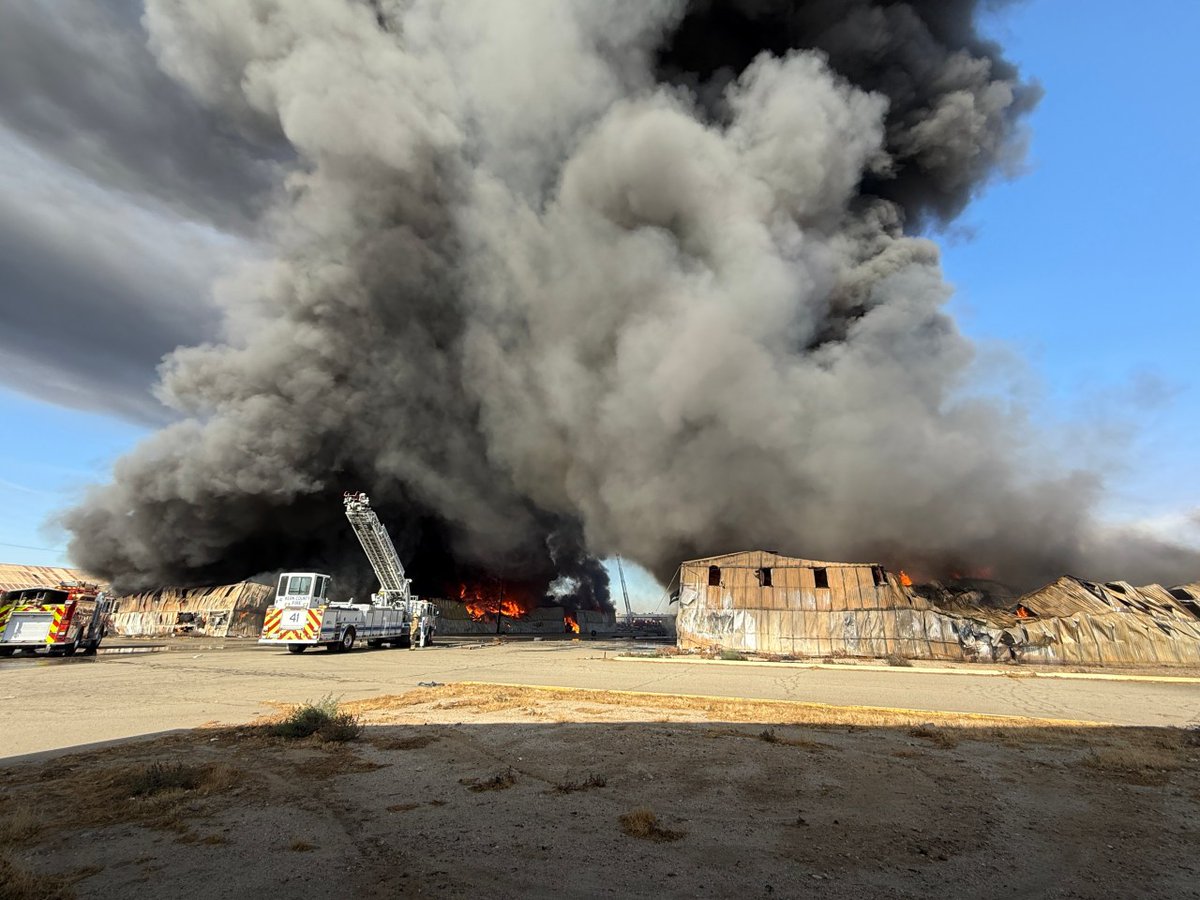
(468,790)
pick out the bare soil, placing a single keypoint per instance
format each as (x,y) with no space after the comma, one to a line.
(477,790)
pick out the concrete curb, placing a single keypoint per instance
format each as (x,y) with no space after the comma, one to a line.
(916,670)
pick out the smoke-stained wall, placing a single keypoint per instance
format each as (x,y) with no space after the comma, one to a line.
(553,280)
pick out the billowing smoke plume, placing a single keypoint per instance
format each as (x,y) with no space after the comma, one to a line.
(555,279)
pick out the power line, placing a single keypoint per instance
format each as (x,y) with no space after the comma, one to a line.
(27,547)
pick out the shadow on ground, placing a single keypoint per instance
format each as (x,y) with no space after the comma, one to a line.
(483,791)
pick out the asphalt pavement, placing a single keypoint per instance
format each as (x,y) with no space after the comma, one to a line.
(151,688)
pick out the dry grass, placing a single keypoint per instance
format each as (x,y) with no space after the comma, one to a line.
(643,823)
(336,762)
(939,737)
(485,698)
(18,823)
(1144,765)
(143,790)
(17,883)
(591,782)
(158,778)
(501,781)
(767,736)
(301,846)
(414,742)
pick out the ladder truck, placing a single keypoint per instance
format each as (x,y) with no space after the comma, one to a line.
(304,616)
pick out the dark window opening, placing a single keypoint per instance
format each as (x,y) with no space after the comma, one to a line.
(763,575)
(877,576)
(1115,587)
(1180,594)
(714,576)
(821,577)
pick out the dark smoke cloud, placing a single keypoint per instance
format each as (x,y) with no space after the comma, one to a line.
(78,80)
(117,187)
(554,280)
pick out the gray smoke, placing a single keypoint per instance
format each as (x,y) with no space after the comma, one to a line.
(556,279)
(121,199)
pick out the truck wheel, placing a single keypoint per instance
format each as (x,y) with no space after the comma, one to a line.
(347,643)
(70,649)
(90,648)
(297,648)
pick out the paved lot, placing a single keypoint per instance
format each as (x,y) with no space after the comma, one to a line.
(57,704)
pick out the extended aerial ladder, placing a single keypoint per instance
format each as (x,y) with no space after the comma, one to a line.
(394,587)
(625,591)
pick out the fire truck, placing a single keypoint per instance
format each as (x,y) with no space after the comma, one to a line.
(303,615)
(61,620)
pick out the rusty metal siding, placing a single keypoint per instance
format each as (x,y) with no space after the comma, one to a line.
(228,610)
(1075,621)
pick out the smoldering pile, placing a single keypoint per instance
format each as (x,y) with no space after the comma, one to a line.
(553,280)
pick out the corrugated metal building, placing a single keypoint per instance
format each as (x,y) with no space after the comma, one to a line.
(14,576)
(227,610)
(762,602)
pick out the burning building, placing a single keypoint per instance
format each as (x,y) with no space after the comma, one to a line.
(763,602)
(480,610)
(227,610)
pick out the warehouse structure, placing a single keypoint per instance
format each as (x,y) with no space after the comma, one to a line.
(227,610)
(763,602)
(14,576)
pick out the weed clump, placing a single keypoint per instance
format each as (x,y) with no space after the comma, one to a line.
(643,823)
(732,656)
(21,884)
(499,782)
(322,718)
(939,736)
(1146,765)
(158,778)
(592,781)
(895,659)
(769,736)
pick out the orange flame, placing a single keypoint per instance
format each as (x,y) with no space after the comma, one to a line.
(483,605)
(1023,612)
(569,621)
(904,579)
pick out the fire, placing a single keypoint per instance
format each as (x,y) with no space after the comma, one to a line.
(904,579)
(484,605)
(572,625)
(1023,612)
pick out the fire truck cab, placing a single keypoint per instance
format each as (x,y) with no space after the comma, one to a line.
(62,620)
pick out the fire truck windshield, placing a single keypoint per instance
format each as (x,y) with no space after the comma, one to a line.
(299,585)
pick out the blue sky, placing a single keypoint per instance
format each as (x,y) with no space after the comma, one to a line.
(1085,267)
